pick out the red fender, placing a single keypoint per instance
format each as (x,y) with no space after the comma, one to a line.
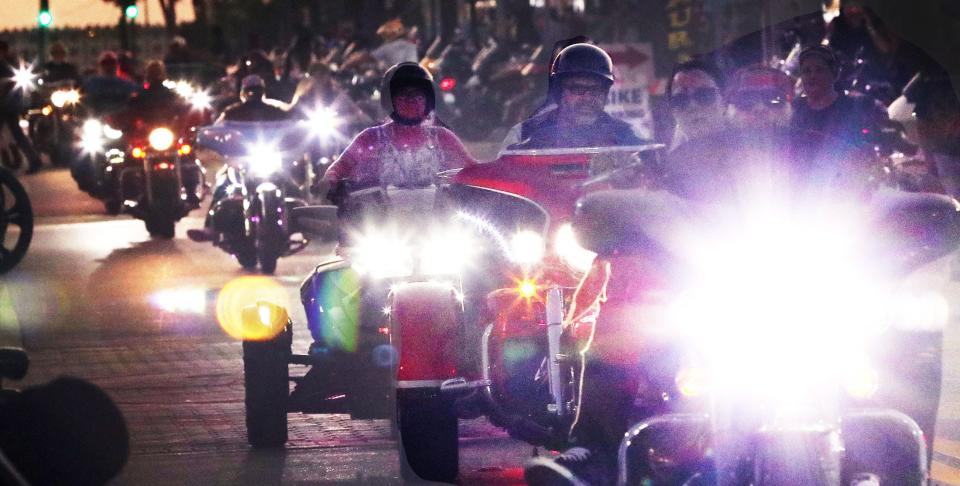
(425,319)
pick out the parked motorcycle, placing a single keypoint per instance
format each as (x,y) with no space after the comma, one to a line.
(16,221)
(434,307)
(757,367)
(269,173)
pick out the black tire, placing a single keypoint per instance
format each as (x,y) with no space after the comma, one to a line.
(270,236)
(112,206)
(429,433)
(15,210)
(161,227)
(246,254)
(267,390)
(268,263)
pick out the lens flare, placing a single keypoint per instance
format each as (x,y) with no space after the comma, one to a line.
(338,310)
(241,293)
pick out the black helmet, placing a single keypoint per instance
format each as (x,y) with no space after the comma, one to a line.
(583,59)
(403,75)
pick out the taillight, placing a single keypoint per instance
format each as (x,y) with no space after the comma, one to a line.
(138,153)
(163,166)
(447,84)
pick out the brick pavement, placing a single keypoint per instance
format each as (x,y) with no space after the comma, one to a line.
(184,394)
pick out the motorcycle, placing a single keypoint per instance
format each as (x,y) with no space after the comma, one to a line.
(53,121)
(153,175)
(429,319)
(269,172)
(15,212)
(753,366)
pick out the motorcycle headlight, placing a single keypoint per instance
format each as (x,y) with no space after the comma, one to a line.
(526,247)
(200,100)
(382,256)
(111,133)
(447,252)
(570,250)
(324,122)
(264,160)
(92,128)
(58,98)
(161,138)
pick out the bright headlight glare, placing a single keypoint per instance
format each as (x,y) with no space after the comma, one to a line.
(92,127)
(692,382)
(324,122)
(58,98)
(447,253)
(264,159)
(570,250)
(161,138)
(200,100)
(921,311)
(526,247)
(382,256)
(862,382)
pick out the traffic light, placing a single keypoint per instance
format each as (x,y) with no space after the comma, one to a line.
(44,18)
(131,10)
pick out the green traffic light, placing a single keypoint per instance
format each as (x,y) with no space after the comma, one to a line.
(131,11)
(45,18)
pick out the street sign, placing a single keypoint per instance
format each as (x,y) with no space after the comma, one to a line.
(629,97)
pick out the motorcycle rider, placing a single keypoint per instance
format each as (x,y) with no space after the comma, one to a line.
(57,68)
(708,168)
(584,75)
(155,101)
(760,97)
(406,151)
(824,108)
(107,92)
(254,106)
(553,91)
(695,93)
(937,110)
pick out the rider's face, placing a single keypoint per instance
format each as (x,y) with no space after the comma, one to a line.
(696,103)
(817,77)
(759,108)
(582,98)
(410,103)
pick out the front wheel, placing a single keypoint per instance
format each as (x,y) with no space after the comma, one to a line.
(162,227)
(15,211)
(429,448)
(267,389)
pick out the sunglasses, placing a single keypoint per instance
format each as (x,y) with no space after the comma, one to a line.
(702,96)
(770,98)
(583,89)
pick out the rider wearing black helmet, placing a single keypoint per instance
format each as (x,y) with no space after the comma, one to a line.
(584,75)
(254,105)
(408,150)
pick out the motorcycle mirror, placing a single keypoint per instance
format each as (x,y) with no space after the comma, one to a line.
(619,222)
(917,228)
(317,222)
